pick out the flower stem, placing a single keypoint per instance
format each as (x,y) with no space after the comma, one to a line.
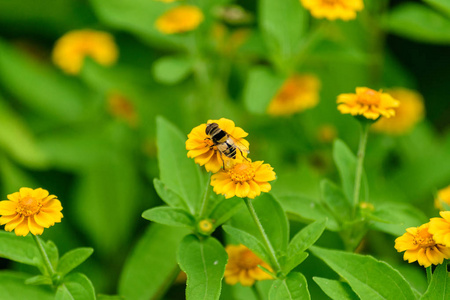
(44,255)
(429,274)
(359,164)
(267,242)
(205,197)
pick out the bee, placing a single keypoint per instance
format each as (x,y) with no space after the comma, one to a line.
(224,142)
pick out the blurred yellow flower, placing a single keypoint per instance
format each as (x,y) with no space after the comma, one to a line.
(298,93)
(368,103)
(421,246)
(205,226)
(408,114)
(244,179)
(326,133)
(333,9)
(443,195)
(180,19)
(122,108)
(243,267)
(71,49)
(203,150)
(440,228)
(30,210)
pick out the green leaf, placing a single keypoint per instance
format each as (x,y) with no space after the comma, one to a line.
(368,277)
(18,248)
(275,20)
(39,280)
(397,217)
(439,287)
(293,261)
(248,240)
(109,297)
(52,252)
(16,138)
(225,210)
(419,22)
(73,259)
(76,286)
(21,76)
(169,216)
(172,69)
(262,85)
(155,250)
(177,171)
(303,240)
(346,163)
(336,289)
(12,287)
(293,287)
(169,196)
(335,200)
(204,263)
(441,5)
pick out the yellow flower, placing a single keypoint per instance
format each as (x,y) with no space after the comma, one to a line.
(180,19)
(333,9)
(202,149)
(421,246)
(205,226)
(71,49)
(243,267)
(298,93)
(326,133)
(440,228)
(121,107)
(30,210)
(368,103)
(443,195)
(244,179)
(408,114)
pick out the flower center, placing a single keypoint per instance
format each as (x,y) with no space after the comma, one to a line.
(242,172)
(369,97)
(28,206)
(248,260)
(424,239)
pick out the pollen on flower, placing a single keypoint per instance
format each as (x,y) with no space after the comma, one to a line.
(333,9)
(241,172)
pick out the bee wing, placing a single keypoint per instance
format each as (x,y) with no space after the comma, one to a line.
(241,145)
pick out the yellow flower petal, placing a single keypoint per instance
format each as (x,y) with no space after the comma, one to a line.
(7,207)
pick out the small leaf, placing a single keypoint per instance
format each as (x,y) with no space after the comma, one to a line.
(225,210)
(294,261)
(336,289)
(335,200)
(346,163)
(109,297)
(249,241)
(52,252)
(39,280)
(169,196)
(73,259)
(76,286)
(12,288)
(262,85)
(293,287)
(204,263)
(169,216)
(172,69)
(442,5)
(177,171)
(368,277)
(18,248)
(439,287)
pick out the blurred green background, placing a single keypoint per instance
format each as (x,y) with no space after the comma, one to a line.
(57,131)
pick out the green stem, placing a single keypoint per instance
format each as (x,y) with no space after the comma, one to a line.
(205,197)
(429,273)
(359,164)
(267,242)
(44,255)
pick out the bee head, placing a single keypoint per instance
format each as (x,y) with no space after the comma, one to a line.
(210,128)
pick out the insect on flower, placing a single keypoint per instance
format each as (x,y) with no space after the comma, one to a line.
(224,142)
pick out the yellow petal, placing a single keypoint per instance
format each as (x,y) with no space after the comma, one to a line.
(8,207)
(245,279)
(242,189)
(14,196)
(22,229)
(24,192)
(39,193)
(44,219)
(14,222)
(35,228)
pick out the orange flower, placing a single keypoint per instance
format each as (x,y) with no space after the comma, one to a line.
(203,150)
(408,114)
(333,9)
(368,103)
(71,49)
(298,93)
(421,246)
(30,210)
(244,179)
(179,19)
(243,267)
(443,195)
(440,228)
